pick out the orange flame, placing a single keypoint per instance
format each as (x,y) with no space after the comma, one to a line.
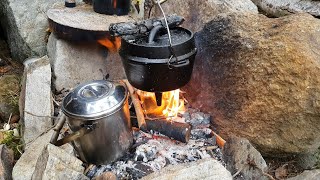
(170,107)
(113,44)
(114,4)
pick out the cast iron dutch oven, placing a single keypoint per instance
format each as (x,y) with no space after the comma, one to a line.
(152,65)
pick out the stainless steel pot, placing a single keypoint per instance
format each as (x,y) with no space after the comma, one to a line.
(98,114)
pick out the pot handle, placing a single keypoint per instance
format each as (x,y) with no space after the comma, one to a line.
(154,31)
(182,63)
(75,135)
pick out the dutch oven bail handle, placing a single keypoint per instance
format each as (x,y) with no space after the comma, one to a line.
(155,31)
(75,135)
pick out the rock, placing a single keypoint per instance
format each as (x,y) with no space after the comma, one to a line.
(239,154)
(309,160)
(202,169)
(106,176)
(25,24)
(197,13)
(258,78)
(277,8)
(55,163)
(6,162)
(36,98)
(25,166)
(75,63)
(308,175)
(2,62)
(9,96)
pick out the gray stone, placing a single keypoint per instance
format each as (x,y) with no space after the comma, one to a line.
(239,154)
(36,99)
(9,96)
(25,24)
(75,63)
(278,8)
(25,166)
(308,175)
(197,13)
(55,163)
(308,160)
(258,77)
(202,169)
(6,162)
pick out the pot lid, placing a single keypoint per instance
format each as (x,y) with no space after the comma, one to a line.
(94,100)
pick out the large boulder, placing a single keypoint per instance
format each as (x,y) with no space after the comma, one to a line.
(25,24)
(75,63)
(197,13)
(278,8)
(259,78)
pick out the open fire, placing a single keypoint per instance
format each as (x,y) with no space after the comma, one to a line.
(170,107)
(111,43)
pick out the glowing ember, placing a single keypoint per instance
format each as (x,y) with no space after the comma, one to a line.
(113,44)
(170,107)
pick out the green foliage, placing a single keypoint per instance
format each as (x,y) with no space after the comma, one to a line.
(13,143)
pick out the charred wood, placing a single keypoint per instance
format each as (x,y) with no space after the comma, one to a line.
(176,130)
(143,27)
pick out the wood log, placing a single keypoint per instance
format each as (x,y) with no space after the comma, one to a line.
(176,130)
(137,106)
(143,27)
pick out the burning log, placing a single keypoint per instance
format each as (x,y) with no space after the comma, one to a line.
(143,27)
(176,130)
(137,106)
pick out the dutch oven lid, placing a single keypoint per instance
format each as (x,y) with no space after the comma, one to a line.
(94,100)
(156,45)
(161,39)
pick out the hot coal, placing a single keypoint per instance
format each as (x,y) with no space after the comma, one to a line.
(153,151)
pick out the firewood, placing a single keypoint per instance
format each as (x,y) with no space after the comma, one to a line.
(220,140)
(143,27)
(176,130)
(137,106)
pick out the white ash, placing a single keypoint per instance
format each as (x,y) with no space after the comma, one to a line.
(196,118)
(152,152)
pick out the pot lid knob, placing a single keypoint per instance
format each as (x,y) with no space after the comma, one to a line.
(94,99)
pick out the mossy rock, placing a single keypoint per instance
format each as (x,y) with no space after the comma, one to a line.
(9,95)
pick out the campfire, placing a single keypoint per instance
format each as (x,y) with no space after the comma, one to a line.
(155,125)
(171,105)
